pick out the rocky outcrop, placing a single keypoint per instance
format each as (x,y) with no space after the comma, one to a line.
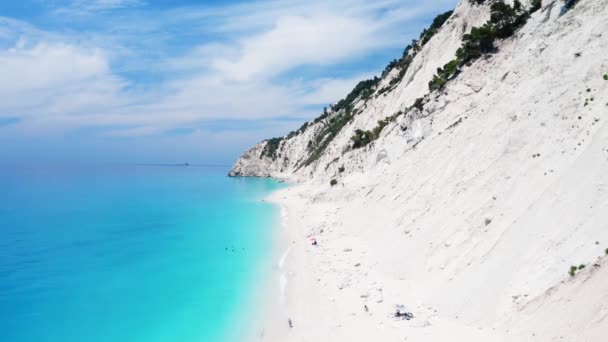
(252,163)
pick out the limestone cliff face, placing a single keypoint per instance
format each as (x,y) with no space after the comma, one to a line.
(551,54)
(294,151)
(253,164)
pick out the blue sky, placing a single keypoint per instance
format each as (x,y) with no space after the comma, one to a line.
(182,80)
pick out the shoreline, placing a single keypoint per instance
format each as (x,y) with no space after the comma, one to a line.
(271,320)
(280,293)
(308,287)
(294,291)
(261,321)
(346,287)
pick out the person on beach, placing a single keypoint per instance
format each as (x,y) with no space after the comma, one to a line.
(290,323)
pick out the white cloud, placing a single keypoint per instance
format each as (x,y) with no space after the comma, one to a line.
(112,3)
(61,81)
(45,80)
(295,41)
(86,7)
(132,132)
(46,66)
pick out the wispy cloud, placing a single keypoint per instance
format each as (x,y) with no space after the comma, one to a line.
(85,7)
(153,70)
(297,40)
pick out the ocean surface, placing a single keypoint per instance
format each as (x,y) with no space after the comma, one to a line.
(130,253)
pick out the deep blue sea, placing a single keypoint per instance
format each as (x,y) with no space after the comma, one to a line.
(130,253)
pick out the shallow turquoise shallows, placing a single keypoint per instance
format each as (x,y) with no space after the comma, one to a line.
(138,253)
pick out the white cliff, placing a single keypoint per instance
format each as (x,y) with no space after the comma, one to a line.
(472,210)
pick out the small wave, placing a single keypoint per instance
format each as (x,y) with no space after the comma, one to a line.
(284,258)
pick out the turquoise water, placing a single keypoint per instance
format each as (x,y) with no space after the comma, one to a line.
(117,253)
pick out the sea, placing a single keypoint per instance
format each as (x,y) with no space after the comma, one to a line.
(131,253)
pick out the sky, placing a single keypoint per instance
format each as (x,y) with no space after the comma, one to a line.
(172,81)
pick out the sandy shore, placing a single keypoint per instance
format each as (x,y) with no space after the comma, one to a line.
(331,291)
(325,289)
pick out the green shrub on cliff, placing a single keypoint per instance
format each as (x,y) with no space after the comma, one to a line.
(438,22)
(504,21)
(363,89)
(344,110)
(361,138)
(505,18)
(476,43)
(444,74)
(419,103)
(271,148)
(324,137)
(568,4)
(411,50)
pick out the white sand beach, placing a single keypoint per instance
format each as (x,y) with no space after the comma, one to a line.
(457,288)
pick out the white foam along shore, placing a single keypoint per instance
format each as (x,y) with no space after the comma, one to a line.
(470,212)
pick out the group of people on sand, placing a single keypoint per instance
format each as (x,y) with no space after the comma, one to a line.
(404,315)
(399,313)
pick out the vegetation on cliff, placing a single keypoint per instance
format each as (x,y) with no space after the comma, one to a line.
(504,21)
(271,148)
(343,111)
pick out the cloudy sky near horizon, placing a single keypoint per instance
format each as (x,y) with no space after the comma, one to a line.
(184,80)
